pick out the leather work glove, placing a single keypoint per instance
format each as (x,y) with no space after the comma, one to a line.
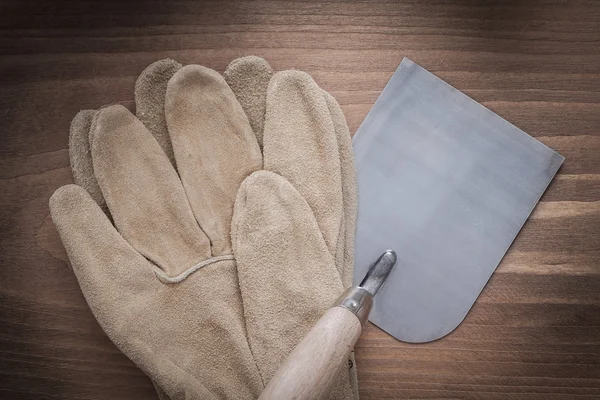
(163,281)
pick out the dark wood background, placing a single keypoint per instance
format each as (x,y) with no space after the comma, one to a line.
(534,332)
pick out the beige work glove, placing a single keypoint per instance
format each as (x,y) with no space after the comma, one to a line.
(275,323)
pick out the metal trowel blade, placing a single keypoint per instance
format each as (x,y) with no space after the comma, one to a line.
(448,184)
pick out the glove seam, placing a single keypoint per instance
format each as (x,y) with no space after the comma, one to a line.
(164,278)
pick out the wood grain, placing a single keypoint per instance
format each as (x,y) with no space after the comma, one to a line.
(534,332)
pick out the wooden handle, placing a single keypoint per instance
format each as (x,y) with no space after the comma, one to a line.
(310,370)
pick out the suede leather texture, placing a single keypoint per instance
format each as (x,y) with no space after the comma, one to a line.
(186,183)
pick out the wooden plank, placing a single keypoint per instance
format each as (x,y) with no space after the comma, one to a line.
(535,331)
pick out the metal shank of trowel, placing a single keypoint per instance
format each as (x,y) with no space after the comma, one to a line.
(359,299)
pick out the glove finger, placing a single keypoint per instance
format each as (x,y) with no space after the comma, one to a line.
(83,171)
(249,79)
(144,193)
(281,255)
(214,147)
(110,272)
(80,157)
(150,91)
(345,248)
(300,144)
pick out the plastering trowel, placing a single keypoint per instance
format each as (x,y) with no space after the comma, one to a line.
(447,184)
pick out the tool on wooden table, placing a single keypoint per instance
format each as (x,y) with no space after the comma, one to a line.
(448,184)
(310,370)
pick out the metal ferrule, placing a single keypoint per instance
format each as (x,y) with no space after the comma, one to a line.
(357,300)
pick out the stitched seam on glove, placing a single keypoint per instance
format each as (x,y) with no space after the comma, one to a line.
(164,278)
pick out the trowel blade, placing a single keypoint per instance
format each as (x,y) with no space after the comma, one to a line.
(448,184)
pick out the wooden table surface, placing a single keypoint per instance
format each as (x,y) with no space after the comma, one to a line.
(534,333)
